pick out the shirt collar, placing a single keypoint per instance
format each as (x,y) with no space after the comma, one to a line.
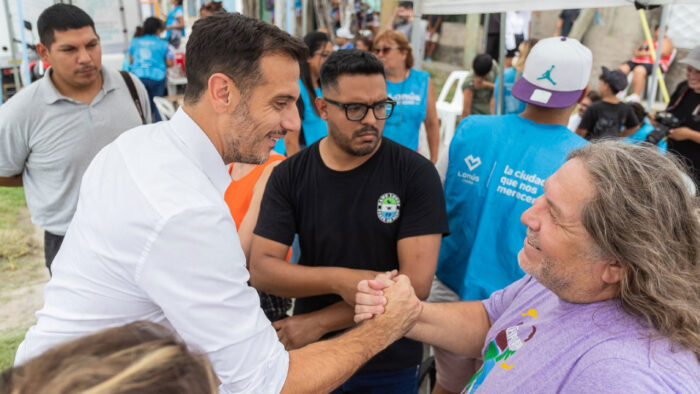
(201,150)
(51,93)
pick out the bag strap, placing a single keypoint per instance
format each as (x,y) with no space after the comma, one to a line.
(134,94)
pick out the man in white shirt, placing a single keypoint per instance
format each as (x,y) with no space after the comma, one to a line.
(153,239)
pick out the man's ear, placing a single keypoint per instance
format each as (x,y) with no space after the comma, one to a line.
(321,107)
(223,93)
(612,272)
(43,52)
(584,93)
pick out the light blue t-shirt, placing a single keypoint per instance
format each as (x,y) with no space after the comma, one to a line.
(641,135)
(177,12)
(149,54)
(497,167)
(411,96)
(312,125)
(511,104)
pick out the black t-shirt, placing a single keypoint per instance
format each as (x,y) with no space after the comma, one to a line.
(568,17)
(605,120)
(354,219)
(687,110)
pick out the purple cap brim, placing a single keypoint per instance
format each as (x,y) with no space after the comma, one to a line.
(522,90)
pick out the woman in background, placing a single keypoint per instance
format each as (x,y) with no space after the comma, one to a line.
(313,128)
(413,92)
(175,24)
(150,56)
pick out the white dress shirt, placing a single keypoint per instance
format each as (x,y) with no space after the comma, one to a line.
(152,239)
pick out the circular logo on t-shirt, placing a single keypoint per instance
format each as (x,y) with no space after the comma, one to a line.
(388,207)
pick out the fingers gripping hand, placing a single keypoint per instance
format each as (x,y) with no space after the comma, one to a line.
(370,299)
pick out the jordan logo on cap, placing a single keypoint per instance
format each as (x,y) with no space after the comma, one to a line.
(547,76)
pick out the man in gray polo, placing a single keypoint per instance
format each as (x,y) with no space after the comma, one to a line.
(51,130)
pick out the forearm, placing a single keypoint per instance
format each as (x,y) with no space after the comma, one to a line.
(432,130)
(12,181)
(336,317)
(628,131)
(582,132)
(459,327)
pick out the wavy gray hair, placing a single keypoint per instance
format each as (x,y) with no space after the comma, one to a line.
(645,217)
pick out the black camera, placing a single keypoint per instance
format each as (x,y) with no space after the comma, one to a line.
(665,121)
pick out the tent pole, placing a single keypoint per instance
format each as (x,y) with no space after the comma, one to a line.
(11,31)
(655,74)
(485,36)
(24,67)
(501,62)
(416,35)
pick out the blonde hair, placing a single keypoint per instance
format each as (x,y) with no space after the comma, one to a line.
(519,64)
(141,357)
(644,217)
(400,40)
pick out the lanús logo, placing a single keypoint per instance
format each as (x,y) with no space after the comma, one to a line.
(472,162)
(388,207)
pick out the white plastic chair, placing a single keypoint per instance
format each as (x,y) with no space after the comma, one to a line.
(164,107)
(449,111)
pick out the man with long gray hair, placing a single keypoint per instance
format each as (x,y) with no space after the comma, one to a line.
(611,299)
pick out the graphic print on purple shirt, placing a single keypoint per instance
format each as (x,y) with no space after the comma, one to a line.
(540,343)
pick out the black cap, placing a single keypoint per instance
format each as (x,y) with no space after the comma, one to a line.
(615,78)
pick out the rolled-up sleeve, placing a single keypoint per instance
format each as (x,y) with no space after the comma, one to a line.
(194,270)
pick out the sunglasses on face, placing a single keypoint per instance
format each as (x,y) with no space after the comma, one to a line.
(383,50)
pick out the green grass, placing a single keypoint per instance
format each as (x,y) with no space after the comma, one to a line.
(9,340)
(11,202)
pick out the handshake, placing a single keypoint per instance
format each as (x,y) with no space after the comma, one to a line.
(389,301)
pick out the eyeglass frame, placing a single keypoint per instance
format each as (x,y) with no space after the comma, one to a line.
(367,107)
(385,50)
(322,54)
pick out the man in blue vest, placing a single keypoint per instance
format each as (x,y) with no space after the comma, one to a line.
(494,170)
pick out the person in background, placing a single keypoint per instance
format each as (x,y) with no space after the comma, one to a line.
(575,119)
(412,90)
(52,129)
(645,128)
(344,37)
(565,22)
(150,56)
(517,31)
(313,128)
(433,36)
(641,64)
(364,43)
(512,105)
(211,8)
(478,86)
(609,117)
(175,24)
(402,19)
(139,357)
(684,141)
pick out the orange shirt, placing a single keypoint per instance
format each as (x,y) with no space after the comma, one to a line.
(240,192)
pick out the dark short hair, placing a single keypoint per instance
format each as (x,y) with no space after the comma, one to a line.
(61,17)
(151,25)
(639,111)
(233,44)
(406,4)
(482,64)
(349,62)
(594,96)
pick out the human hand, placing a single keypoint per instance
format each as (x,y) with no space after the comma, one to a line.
(479,82)
(681,133)
(298,331)
(347,287)
(370,300)
(401,311)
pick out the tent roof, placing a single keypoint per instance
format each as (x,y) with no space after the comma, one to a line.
(452,7)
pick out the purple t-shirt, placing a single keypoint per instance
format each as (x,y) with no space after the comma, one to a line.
(540,343)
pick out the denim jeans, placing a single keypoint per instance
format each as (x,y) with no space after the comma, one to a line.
(154,89)
(404,381)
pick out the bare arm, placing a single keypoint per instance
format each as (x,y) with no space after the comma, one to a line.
(417,259)
(628,131)
(271,274)
(12,181)
(245,230)
(492,105)
(582,132)
(300,330)
(322,366)
(432,125)
(557,28)
(180,24)
(467,103)
(666,47)
(459,327)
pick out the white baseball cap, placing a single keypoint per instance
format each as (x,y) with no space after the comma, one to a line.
(344,32)
(556,73)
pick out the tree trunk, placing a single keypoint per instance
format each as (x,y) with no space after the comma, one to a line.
(348,17)
(251,8)
(324,18)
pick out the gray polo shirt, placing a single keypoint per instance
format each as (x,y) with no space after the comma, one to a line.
(50,139)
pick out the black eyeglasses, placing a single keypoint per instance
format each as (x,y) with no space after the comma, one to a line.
(322,54)
(357,111)
(383,50)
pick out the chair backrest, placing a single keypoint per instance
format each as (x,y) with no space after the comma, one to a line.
(165,107)
(455,103)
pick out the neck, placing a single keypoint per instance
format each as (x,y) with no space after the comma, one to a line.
(337,159)
(84,94)
(206,119)
(611,98)
(554,116)
(239,170)
(397,75)
(314,79)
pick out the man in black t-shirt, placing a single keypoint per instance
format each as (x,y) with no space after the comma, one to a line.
(606,118)
(685,105)
(361,204)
